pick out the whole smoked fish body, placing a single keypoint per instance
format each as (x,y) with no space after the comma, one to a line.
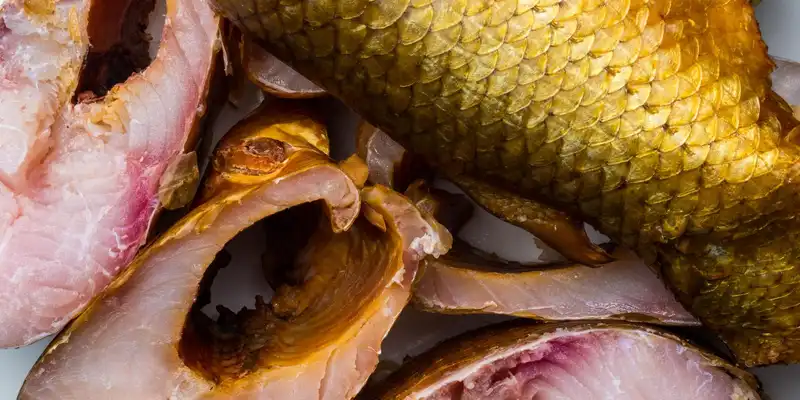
(652,119)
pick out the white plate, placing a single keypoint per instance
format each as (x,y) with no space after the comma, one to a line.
(780,24)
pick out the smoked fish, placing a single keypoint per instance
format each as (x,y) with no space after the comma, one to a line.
(577,360)
(146,337)
(92,148)
(653,120)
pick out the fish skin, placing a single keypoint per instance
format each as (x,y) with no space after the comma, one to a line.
(273,76)
(653,120)
(76,216)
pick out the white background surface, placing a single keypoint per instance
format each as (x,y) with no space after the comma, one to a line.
(780,24)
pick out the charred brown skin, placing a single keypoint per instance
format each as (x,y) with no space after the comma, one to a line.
(653,120)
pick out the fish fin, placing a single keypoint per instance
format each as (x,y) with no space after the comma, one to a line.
(557,229)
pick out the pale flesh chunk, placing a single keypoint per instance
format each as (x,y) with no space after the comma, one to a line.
(623,289)
(79,183)
(41,52)
(573,361)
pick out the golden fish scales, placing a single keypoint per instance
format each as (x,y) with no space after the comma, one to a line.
(653,119)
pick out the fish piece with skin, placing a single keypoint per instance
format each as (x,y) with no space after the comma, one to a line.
(344,365)
(83,182)
(655,121)
(308,343)
(625,289)
(579,360)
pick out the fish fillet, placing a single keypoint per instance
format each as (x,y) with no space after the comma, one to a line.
(624,289)
(79,183)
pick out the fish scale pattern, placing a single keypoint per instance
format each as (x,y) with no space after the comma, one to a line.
(653,119)
(747,290)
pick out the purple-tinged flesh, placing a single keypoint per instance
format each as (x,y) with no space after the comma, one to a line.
(569,361)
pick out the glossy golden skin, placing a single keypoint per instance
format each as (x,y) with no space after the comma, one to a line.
(652,119)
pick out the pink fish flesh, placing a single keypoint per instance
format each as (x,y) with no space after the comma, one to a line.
(79,183)
(140,323)
(569,361)
(623,289)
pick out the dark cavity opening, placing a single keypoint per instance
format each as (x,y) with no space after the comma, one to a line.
(221,343)
(121,39)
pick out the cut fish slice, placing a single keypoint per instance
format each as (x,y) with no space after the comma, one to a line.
(625,289)
(317,339)
(586,360)
(79,184)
